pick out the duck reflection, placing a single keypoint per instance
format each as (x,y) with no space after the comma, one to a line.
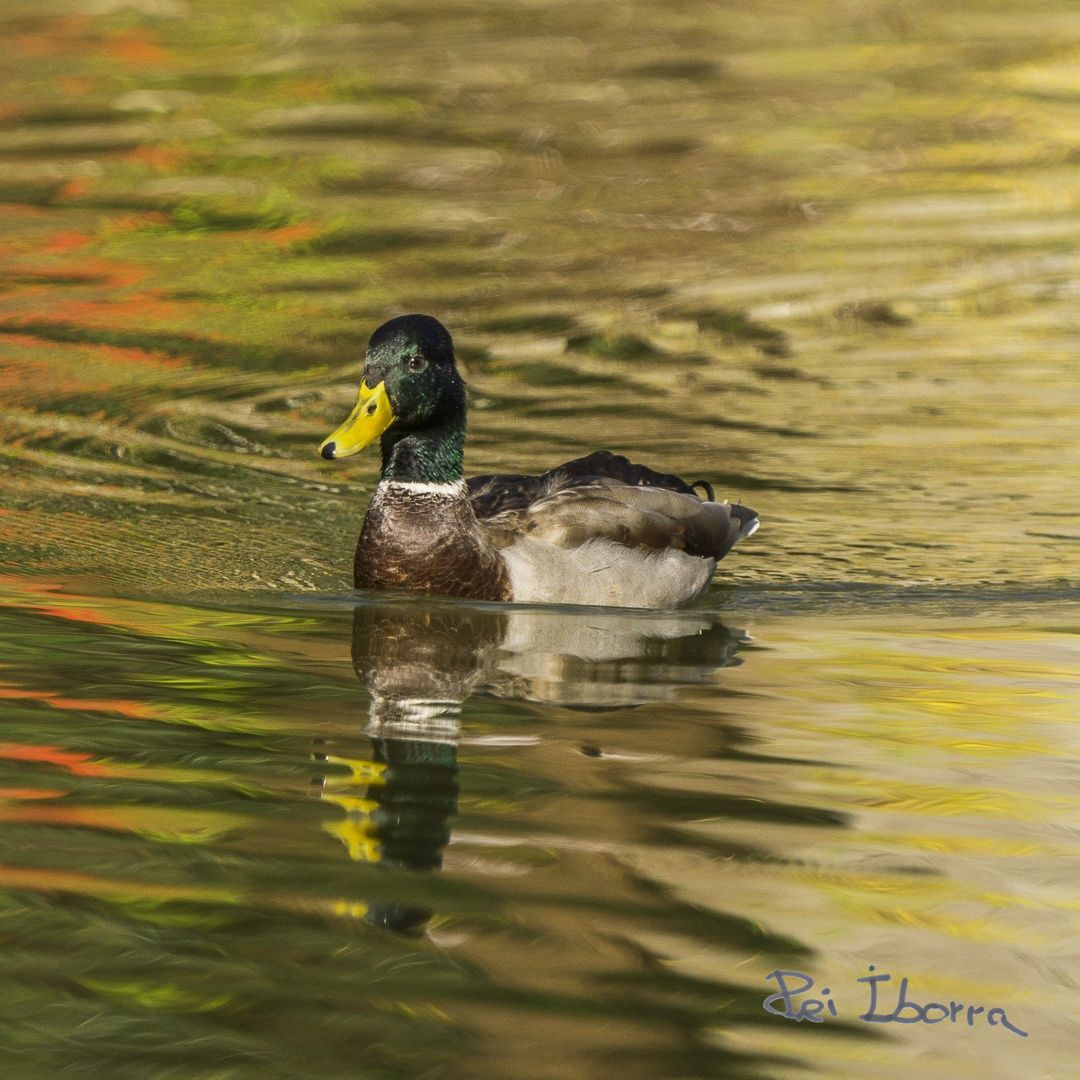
(422,660)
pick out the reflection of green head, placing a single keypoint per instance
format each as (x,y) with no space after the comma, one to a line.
(397,804)
(415,802)
(397,809)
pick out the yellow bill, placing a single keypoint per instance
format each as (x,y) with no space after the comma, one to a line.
(368,420)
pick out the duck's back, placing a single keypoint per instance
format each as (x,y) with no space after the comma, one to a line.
(601,530)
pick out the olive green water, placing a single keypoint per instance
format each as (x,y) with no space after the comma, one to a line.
(822,255)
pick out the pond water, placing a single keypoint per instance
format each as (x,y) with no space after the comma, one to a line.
(824,256)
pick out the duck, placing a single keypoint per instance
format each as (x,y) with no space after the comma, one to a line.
(596,531)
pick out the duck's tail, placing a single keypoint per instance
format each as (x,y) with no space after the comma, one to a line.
(747,519)
(749,522)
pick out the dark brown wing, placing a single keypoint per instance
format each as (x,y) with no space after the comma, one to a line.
(492,495)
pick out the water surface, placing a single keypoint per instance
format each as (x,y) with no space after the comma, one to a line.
(256,825)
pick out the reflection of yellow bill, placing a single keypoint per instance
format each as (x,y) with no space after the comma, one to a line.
(357,831)
(368,420)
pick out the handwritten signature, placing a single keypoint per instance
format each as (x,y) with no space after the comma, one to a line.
(904,1011)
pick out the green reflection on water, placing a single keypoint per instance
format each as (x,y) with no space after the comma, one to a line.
(820,255)
(368,836)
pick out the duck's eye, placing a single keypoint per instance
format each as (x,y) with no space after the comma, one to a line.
(416,363)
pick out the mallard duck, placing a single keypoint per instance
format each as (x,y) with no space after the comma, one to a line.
(598,530)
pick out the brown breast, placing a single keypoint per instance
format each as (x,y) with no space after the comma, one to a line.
(427,542)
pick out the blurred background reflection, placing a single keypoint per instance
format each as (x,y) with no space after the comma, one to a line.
(821,254)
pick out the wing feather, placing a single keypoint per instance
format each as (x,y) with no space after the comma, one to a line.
(634,517)
(606,497)
(495,494)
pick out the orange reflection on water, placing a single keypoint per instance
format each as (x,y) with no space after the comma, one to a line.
(73,762)
(137,48)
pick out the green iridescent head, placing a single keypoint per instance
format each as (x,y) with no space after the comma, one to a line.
(413,397)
